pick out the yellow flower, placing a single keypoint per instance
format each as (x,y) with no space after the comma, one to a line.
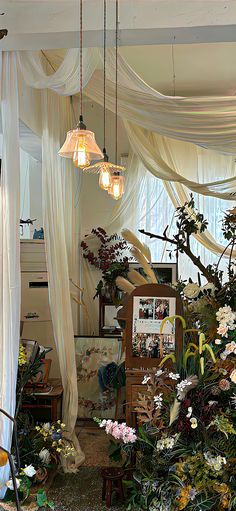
(22,359)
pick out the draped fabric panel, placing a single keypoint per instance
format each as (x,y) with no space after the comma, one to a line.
(148,145)
(65,80)
(58,196)
(208,122)
(9,248)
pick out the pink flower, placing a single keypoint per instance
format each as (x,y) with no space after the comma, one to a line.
(116,433)
(222,330)
(109,427)
(224,384)
(119,431)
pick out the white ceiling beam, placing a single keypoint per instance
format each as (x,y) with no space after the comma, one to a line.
(132,37)
(52,24)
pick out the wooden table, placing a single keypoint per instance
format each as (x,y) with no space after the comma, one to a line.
(43,399)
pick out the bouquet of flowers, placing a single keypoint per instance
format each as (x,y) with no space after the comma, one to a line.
(40,449)
(110,257)
(185,444)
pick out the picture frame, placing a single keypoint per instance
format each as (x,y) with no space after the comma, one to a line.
(166,273)
(145,345)
(41,378)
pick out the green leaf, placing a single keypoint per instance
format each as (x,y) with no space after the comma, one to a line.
(41,498)
(204,503)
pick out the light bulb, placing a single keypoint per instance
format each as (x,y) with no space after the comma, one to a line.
(81,156)
(116,189)
(105,177)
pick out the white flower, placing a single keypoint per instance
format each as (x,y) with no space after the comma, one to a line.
(209,287)
(191,290)
(190,411)
(218,342)
(158,373)
(174,376)
(233,399)
(102,424)
(10,486)
(158,400)
(215,462)
(194,423)
(230,347)
(222,371)
(226,319)
(146,379)
(223,330)
(212,403)
(233,376)
(45,456)
(181,386)
(166,443)
(29,471)
(46,426)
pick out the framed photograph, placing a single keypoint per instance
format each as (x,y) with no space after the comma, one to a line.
(147,307)
(166,273)
(148,314)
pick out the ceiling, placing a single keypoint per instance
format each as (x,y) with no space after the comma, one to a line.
(36,24)
(184,70)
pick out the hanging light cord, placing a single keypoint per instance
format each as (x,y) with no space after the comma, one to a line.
(116,132)
(81,60)
(104,75)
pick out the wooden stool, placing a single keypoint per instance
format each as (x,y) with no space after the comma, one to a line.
(112,480)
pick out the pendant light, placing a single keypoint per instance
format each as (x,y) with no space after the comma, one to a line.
(104,168)
(80,144)
(116,188)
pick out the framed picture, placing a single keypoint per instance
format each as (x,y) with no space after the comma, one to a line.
(41,378)
(147,307)
(148,314)
(166,273)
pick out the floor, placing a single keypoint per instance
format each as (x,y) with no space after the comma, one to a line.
(81,491)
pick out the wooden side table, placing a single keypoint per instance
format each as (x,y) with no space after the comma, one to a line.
(51,400)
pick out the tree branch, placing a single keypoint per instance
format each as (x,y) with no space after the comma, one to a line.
(187,250)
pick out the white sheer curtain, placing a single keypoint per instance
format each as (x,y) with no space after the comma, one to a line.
(9,248)
(162,213)
(176,161)
(58,209)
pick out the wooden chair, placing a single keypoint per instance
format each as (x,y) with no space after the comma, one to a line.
(5,457)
